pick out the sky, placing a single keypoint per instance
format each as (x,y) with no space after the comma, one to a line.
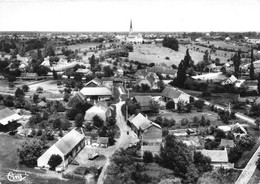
(115,15)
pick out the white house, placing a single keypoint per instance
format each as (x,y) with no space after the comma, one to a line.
(99,109)
(7,115)
(67,147)
(176,95)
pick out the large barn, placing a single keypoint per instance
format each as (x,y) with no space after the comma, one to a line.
(67,147)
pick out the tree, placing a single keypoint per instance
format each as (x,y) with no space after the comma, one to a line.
(55,75)
(154,105)
(49,50)
(170,105)
(9,101)
(29,151)
(199,104)
(171,43)
(39,89)
(79,120)
(54,161)
(258,83)
(35,98)
(161,85)
(97,121)
(25,88)
(92,61)
(202,163)
(206,57)
(19,93)
(11,78)
(148,157)
(176,156)
(252,68)
(145,87)
(237,61)
(66,97)
(181,74)
(108,72)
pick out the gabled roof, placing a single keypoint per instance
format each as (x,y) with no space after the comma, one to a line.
(227,143)
(42,104)
(98,107)
(143,100)
(77,98)
(140,121)
(69,141)
(96,81)
(216,155)
(7,115)
(171,92)
(96,91)
(85,71)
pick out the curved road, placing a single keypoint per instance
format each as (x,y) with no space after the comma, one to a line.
(124,139)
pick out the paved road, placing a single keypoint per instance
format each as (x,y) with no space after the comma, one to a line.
(124,140)
(249,170)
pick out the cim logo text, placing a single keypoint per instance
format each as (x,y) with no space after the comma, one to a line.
(16,177)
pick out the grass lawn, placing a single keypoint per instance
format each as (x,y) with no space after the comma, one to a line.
(10,161)
(255,178)
(212,116)
(149,53)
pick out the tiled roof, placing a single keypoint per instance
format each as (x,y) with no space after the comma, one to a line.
(171,92)
(7,115)
(227,143)
(144,100)
(140,121)
(78,97)
(69,141)
(96,91)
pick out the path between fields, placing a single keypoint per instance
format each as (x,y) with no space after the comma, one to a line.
(249,170)
(127,136)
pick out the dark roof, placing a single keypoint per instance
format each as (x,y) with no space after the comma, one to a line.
(69,141)
(171,92)
(77,98)
(143,100)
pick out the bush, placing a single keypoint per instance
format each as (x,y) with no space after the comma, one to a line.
(171,43)
(170,105)
(199,104)
(54,161)
(148,157)
(25,88)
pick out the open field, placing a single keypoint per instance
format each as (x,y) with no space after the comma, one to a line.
(156,53)
(226,45)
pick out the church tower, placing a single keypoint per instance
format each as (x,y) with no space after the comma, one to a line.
(131,27)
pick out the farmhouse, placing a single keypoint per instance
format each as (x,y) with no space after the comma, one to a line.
(219,158)
(7,116)
(96,93)
(77,98)
(230,80)
(108,82)
(67,147)
(144,102)
(94,83)
(174,94)
(148,131)
(99,109)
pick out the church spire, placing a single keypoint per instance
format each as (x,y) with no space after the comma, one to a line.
(131,27)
